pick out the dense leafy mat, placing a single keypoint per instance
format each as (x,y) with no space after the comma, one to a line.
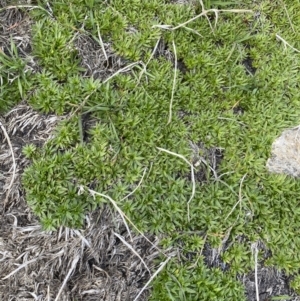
(216,91)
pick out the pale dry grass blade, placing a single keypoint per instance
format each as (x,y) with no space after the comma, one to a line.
(126,68)
(14,166)
(193,31)
(192,176)
(174,83)
(26,6)
(149,60)
(287,13)
(73,266)
(256,278)
(285,43)
(152,277)
(84,240)
(101,42)
(255,251)
(199,254)
(204,13)
(48,293)
(136,188)
(132,250)
(122,214)
(239,202)
(25,264)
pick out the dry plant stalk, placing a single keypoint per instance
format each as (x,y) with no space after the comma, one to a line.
(204,13)
(72,268)
(153,276)
(122,214)
(285,43)
(25,6)
(14,162)
(174,83)
(239,202)
(192,176)
(132,250)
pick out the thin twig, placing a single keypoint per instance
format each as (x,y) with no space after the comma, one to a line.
(174,83)
(193,31)
(199,255)
(231,119)
(48,293)
(81,189)
(203,13)
(287,13)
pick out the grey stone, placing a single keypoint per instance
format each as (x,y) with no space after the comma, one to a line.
(285,154)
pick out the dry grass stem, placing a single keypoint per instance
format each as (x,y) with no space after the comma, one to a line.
(255,251)
(216,11)
(25,264)
(174,83)
(136,188)
(72,268)
(151,57)
(204,13)
(287,13)
(199,254)
(13,159)
(26,6)
(101,42)
(152,277)
(285,43)
(239,202)
(126,68)
(192,176)
(132,250)
(193,31)
(231,119)
(122,214)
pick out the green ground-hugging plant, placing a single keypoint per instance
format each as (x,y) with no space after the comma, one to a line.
(236,89)
(14,77)
(179,282)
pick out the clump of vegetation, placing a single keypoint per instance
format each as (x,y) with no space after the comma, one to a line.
(14,77)
(219,80)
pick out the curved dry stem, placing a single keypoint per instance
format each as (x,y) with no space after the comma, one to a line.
(14,161)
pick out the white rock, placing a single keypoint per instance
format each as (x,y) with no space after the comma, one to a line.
(285,155)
